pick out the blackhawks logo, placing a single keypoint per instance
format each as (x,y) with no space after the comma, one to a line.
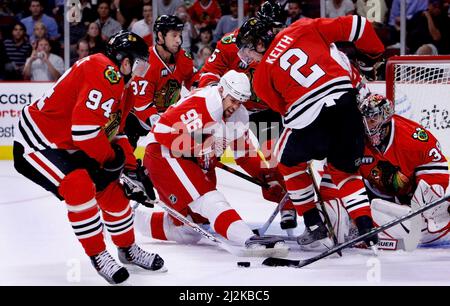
(112,75)
(228,39)
(112,126)
(420,134)
(168,95)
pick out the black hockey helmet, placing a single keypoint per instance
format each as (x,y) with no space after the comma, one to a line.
(165,23)
(271,12)
(126,44)
(252,31)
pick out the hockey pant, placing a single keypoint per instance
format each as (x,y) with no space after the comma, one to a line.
(183,185)
(88,210)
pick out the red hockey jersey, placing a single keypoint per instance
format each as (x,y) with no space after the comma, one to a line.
(224,58)
(300,72)
(84,110)
(161,86)
(208,15)
(411,150)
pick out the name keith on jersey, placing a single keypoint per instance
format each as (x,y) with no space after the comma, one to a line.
(279,49)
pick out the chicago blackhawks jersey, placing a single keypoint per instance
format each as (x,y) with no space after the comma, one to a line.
(161,86)
(84,110)
(224,58)
(300,72)
(412,154)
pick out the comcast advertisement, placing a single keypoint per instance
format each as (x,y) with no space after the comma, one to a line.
(13,97)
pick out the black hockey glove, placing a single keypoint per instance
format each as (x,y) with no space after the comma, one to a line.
(368,64)
(138,186)
(101,176)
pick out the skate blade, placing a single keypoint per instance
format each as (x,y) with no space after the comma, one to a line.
(139,270)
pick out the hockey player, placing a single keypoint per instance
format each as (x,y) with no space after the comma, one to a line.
(171,68)
(300,76)
(69,143)
(226,57)
(184,145)
(403,168)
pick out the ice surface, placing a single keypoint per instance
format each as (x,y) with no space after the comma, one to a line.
(38,247)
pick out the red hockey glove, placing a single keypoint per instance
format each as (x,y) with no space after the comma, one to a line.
(276,191)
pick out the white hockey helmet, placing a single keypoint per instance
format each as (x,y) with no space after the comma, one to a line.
(236,84)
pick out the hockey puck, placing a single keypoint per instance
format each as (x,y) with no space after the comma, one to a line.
(245,264)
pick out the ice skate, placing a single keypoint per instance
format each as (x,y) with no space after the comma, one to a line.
(134,255)
(108,268)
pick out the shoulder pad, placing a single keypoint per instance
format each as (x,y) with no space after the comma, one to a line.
(112,75)
(229,39)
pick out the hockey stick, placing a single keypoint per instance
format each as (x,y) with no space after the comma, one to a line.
(260,231)
(242,175)
(280,262)
(322,206)
(237,251)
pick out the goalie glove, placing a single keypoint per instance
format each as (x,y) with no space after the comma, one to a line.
(437,217)
(138,186)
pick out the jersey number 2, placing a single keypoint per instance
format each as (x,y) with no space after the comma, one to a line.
(294,69)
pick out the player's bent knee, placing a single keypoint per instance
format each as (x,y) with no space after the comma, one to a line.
(77,187)
(210,204)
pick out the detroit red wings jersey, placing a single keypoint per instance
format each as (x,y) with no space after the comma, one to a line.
(414,153)
(161,86)
(185,126)
(225,58)
(300,73)
(83,110)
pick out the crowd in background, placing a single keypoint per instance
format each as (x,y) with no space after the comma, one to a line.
(32,32)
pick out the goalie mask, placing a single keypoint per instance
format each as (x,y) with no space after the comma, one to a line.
(377,112)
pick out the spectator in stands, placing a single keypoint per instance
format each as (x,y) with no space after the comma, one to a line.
(202,55)
(431,26)
(82,51)
(94,38)
(108,25)
(144,27)
(5,9)
(88,13)
(376,14)
(17,50)
(227,23)
(206,36)
(294,11)
(412,8)
(37,15)
(168,7)
(39,31)
(126,12)
(43,65)
(205,13)
(336,8)
(427,49)
(189,30)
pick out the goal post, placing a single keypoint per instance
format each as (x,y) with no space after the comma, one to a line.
(420,88)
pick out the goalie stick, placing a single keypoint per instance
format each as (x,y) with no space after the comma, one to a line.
(280,262)
(237,251)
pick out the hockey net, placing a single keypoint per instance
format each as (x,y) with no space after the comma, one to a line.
(419,79)
(420,88)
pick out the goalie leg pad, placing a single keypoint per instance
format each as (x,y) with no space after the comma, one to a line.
(409,231)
